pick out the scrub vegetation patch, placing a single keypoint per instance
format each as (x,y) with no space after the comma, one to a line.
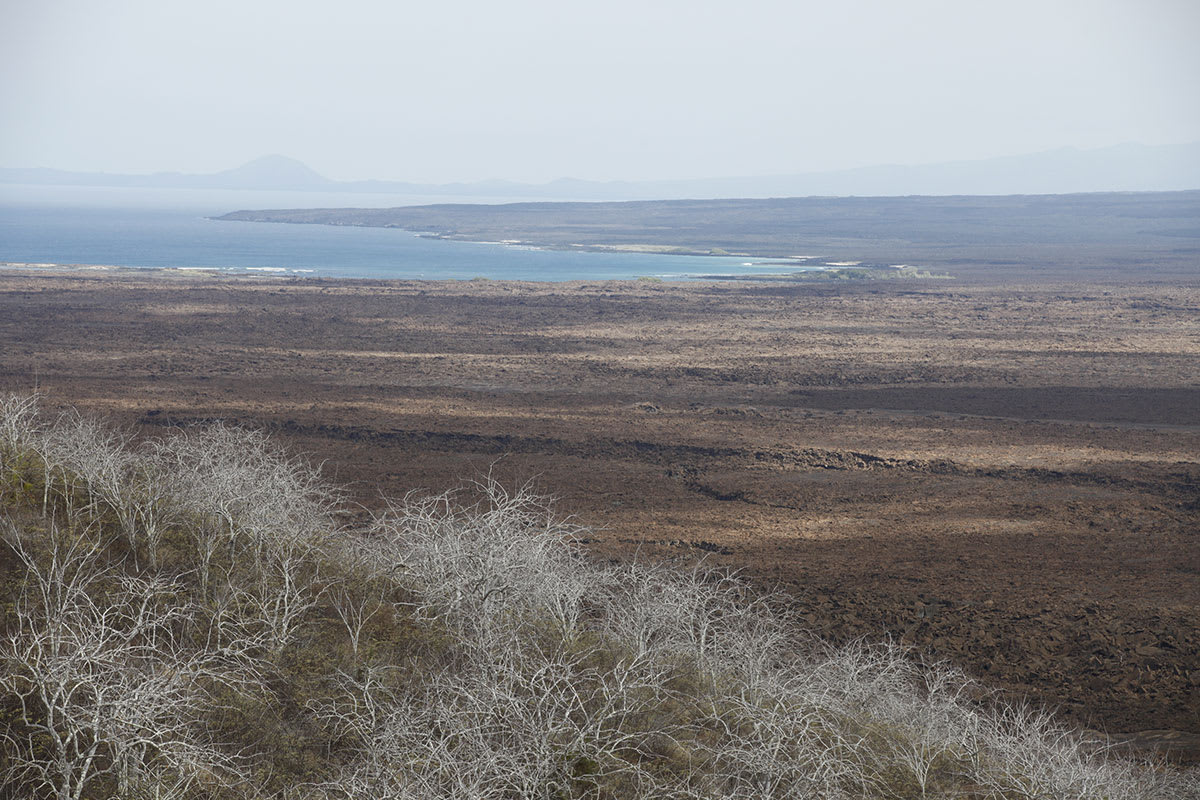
(199,614)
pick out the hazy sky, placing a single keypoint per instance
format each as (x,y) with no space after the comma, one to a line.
(442,90)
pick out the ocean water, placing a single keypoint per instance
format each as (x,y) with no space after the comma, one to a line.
(171,228)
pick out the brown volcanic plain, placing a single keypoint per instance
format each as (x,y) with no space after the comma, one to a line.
(1003,476)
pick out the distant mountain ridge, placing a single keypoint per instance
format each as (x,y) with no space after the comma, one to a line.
(267,172)
(1126,167)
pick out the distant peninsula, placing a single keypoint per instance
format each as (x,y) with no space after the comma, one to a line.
(1116,232)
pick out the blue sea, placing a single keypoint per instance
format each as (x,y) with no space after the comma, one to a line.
(172,228)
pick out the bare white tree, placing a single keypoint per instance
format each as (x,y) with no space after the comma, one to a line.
(20,429)
(72,450)
(355,607)
(283,594)
(152,496)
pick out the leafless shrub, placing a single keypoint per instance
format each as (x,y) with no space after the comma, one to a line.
(536,725)
(103,678)
(263,515)
(779,746)
(221,470)
(22,434)
(76,450)
(283,595)
(709,617)
(20,428)
(151,495)
(91,469)
(1027,755)
(484,568)
(256,494)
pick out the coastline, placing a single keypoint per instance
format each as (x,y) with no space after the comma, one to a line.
(644,249)
(810,275)
(53,268)
(800,267)
(803,267)
(535,244)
